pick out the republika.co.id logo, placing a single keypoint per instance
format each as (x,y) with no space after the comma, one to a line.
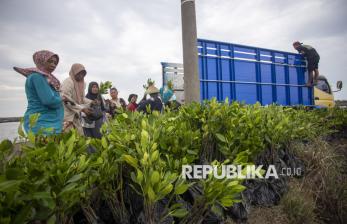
(236,171)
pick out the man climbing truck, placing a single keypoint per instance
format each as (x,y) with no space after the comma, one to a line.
(312,58)
(323,95)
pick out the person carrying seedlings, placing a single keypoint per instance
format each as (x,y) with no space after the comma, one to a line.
(312,57)
(166,92)
(92,123)
(132,102)
(154,102)
(42,91)
(73,88)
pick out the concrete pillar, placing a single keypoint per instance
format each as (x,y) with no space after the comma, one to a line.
(190,53)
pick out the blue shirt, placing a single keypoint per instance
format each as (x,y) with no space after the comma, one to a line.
(166,94)
(43,99)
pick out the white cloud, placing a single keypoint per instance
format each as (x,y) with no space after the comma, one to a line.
(15,88)
(125,41)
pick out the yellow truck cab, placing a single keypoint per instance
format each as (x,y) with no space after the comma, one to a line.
(323,95)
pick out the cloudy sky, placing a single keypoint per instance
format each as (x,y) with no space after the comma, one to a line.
(125,41)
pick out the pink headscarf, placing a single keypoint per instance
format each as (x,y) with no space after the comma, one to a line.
(40,58)
(79,85)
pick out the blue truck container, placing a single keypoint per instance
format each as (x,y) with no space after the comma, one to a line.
(251,74)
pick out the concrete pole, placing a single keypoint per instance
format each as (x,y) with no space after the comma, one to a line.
(190,52)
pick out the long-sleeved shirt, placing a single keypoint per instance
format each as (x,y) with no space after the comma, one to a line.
(46,101)
(166,94)
(72,111)
(154,104)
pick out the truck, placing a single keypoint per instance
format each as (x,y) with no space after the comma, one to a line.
(251,74)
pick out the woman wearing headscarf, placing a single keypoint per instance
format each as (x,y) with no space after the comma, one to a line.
(94,121)
(73,89)
(42,90)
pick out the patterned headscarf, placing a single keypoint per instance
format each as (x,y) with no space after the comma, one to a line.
(40,58)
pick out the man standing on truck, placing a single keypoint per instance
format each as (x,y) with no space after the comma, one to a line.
(312,57)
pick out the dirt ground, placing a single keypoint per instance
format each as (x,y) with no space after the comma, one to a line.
(274,215)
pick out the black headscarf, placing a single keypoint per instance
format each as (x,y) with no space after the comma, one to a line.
(92,96)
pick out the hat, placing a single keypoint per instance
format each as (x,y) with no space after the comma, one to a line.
(152,89)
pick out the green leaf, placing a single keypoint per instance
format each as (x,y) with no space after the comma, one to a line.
(151,194)
(104,143)
(232,183)
(46,198)
(9,185)
(133,177)
(31,137)
(168,188)
(14,173)
(155,177)
(68,188)
(181,188)
(82,161)
(144,138)
(179,213)
(227,201)
(99,160)
(143,124)
(139,176)
(6,145)
(221,137)
(104,87)
(75,178)
(71,140)
(154,156)
(33,118)
(130,160)
(176,205)
(42,195)
(237,189)
(192,152)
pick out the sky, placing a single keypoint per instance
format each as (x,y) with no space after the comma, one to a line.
(125,41)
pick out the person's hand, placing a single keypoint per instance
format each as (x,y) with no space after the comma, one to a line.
(64,98)
(67,125)
(95,102)
(87,111)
